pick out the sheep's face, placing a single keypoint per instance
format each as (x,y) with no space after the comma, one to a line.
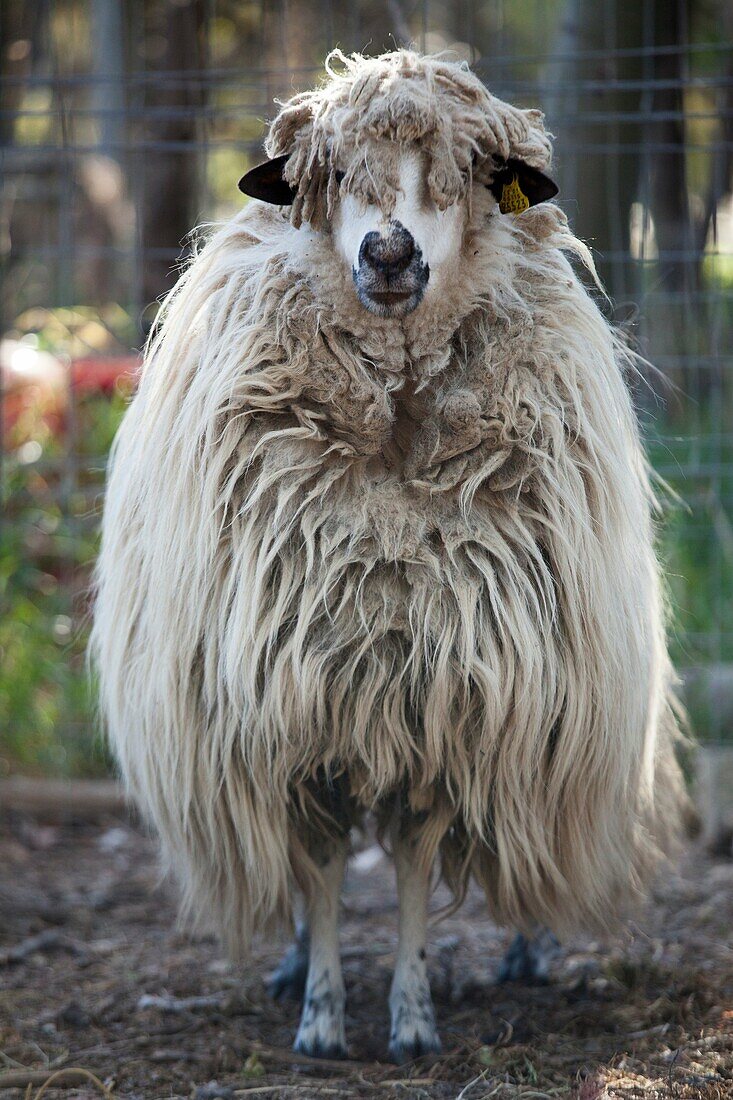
(397,256)
(387,159)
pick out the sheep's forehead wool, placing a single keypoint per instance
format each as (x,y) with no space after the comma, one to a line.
(368,108)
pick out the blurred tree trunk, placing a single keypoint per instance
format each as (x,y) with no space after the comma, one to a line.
(721,169)
(676,277)
(648,117)
(719,185)
(170,168)
(679,225)
(108,68)
(584,95)
(683,323)
(19,28)
(668,191)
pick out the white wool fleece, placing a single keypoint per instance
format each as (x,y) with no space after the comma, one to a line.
(417,553)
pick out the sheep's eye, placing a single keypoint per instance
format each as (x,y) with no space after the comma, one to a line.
(339,176)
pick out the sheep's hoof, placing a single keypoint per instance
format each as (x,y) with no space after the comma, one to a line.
(528,959)
(287,981)
(413,1030)
(315,1047)
(321,1031)
(407,1048)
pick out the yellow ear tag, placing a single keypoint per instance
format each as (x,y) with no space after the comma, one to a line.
(513,199)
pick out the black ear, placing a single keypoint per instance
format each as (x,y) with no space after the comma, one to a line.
(266,182)
(517,186)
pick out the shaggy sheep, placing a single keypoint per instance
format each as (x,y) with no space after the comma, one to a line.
(378,537)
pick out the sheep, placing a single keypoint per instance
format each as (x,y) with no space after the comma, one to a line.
(379,538)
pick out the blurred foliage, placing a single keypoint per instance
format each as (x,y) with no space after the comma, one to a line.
(690,444)
(77,331)
(718,272)
(45,711)
(51,492)
(696,544)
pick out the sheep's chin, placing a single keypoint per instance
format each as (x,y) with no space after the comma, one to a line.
(382,304)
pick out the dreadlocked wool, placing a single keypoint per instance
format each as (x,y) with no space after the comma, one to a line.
(414,554)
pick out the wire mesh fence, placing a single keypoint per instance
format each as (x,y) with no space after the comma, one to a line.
(124,124)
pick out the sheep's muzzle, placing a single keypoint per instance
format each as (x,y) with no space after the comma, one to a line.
(390,276)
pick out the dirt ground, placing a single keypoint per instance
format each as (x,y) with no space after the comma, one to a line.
(95,977)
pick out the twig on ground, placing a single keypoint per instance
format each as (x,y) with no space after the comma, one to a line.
(282,1088)
(61,1078)
(402,1082)
(8,1061)
(84,1073)
(291,1058)
(182,1004)
(467,1088)
(50,939)
(175,1056)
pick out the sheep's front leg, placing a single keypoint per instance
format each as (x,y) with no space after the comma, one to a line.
(321,1031)
(413,1030)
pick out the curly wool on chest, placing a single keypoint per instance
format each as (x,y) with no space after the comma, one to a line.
(383,624)
(375,605)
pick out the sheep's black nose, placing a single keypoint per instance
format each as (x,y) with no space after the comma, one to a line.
(389,255)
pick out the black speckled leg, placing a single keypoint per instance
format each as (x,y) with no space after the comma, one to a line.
(528,958)
(321,1031)
(287,981)
(413,1031)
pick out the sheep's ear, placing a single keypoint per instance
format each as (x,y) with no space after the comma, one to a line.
(267,183)
(516,186)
